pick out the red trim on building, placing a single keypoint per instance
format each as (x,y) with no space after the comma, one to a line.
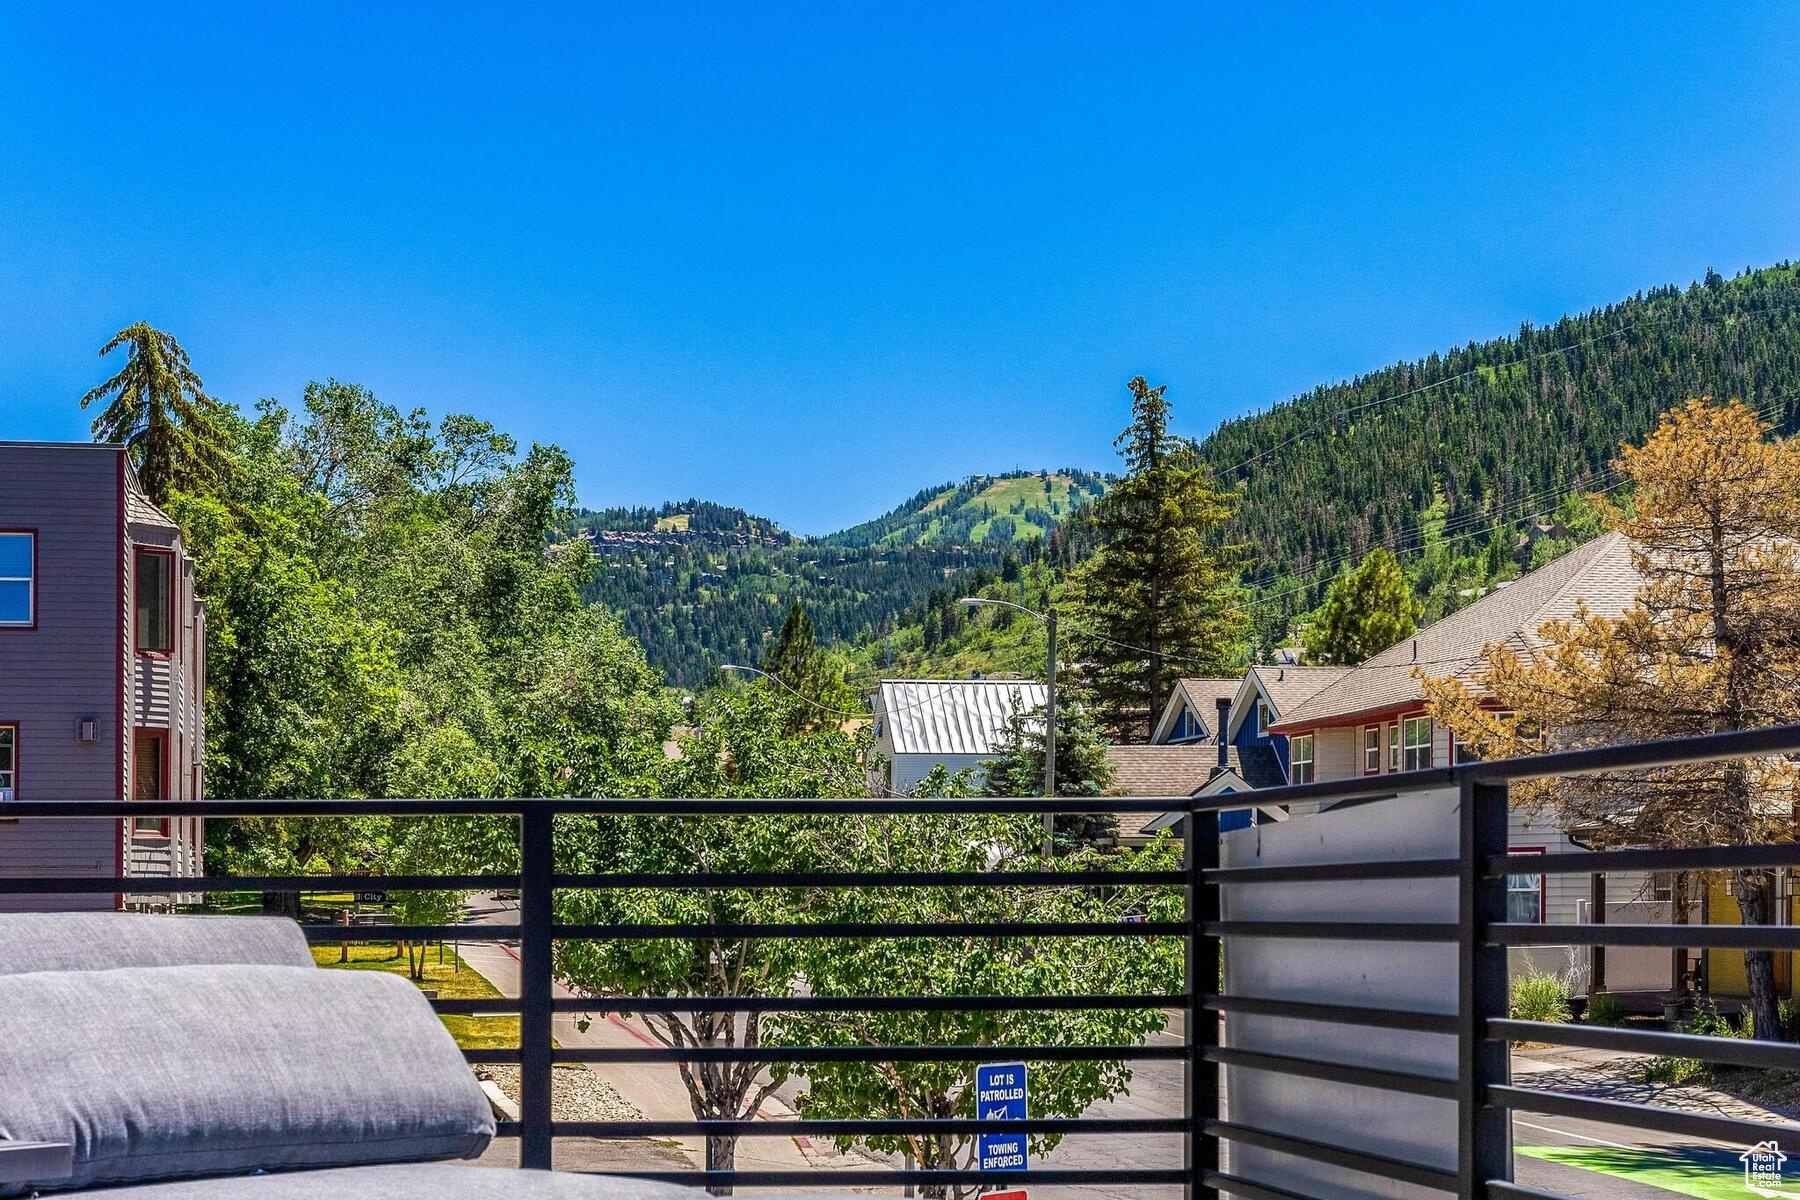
(1366,716)
(17,757)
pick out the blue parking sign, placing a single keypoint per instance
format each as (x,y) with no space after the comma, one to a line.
(1001,1091)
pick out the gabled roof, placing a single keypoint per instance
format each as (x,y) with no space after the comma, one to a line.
(1162,770)
(1286,686)
(140,511)
(953,716)
(1599,573)
(1202,697)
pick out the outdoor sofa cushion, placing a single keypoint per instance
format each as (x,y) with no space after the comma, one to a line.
(100,941)
(422,1181)
(170,1072)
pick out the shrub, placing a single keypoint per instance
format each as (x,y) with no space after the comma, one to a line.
(1708,1021)
(1675,1071)
(1540,998)
(1604,1008)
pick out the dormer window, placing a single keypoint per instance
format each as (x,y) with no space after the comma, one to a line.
(18,579)
(1262,718)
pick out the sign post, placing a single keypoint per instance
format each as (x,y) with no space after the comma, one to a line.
(1001,1094)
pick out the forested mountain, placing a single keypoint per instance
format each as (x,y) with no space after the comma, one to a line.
(1500,429)
(1015,507)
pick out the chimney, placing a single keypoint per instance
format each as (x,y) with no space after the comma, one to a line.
(1224,720)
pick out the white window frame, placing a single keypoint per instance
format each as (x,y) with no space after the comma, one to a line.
(1302,770)
(1415,756)
(9,763)
(1393,745)
(1515,886)
(29,580)
(1262,718)
(1371,749)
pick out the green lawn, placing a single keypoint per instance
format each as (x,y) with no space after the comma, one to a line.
(1706,1173)
(471,1033)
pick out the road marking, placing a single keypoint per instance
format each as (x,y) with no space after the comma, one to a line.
(1584,1137)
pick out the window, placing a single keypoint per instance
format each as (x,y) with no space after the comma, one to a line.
(155,580)
(1525,893)
(1300,759)
(1371,749)
(9,760)
(18,579)
(1393,745)
(1461,752)
(149,777)
(1187,727)
(1262,719)
(1415,743)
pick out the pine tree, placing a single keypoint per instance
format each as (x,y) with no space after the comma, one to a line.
(1366,611)
(157,407)
(1160,597)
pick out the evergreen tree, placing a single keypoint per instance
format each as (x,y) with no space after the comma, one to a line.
(1366,611)
(1160,596)
(179,437)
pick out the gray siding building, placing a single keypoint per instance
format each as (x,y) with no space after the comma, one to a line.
(102,668)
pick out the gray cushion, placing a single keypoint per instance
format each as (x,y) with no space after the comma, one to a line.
(100,941)
(423,1181)
(167,1072)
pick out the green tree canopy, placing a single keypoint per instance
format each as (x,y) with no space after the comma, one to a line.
(1367,610)
(1160,596)
(178,436)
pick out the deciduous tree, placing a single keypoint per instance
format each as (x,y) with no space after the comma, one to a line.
(1710,645)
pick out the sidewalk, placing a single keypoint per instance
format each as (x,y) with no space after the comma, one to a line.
(656,1089)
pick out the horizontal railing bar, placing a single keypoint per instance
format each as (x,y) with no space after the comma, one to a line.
(1739,1052)
(1640,1116)
(1353,931)
(609,806)
(1404,868)
(885,879)
(1337,1014)
(984,1003)
(172,884)
(875,929)
(1780,739)
(670,1054)
(495,1055)
(1368,1164)
(491,1006)
(1669,752)
(508,1128)
(851,1178)
(1675,937)
(409,933)
(1691,858)
(1234,1185)
(1331,1072)
(867,1127)
(1501,1189)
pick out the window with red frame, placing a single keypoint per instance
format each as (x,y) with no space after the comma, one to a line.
(9,761)
(155,580)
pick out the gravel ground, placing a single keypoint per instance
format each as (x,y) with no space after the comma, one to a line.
(576,1093)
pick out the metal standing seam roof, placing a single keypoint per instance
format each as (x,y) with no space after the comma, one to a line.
(1600,574)
(954,716)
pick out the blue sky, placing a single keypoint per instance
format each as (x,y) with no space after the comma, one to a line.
(808,259)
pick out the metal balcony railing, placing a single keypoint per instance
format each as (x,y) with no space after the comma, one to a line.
(1479,1089)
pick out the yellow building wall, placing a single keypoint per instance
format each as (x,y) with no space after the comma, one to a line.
(1725,974)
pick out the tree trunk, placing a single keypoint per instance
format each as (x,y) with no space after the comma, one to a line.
(721,1153)
(1752,890)
(281,904)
